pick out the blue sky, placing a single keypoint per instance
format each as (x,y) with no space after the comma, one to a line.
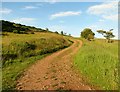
(70,17)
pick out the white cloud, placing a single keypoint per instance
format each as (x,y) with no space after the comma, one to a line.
(101,20)
(61,21)
(51,1)
(63,14)
(5,11)
(108,10)
(111,17)
(103,8)
(24,20)
(30,7)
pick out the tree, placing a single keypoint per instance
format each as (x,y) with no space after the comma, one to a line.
(47,29)
(62,33)
(87,34)
(90,36)
(101,31)
(65,33)
(107,34)
(69,34)
(56,32)
(15,31)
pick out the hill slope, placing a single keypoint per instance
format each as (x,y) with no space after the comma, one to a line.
(21,50)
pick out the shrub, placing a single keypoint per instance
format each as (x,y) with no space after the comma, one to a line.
(61,32)
(32,33)
(15,31)
(90,37)
(87,33)
(23,32)
(27,46)
(107,34)
(56,32)
(4,34)
(8,56)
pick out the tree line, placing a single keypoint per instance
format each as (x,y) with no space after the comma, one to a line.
(8,26)
(89,35)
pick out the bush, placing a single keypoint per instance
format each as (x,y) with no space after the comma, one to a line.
(19,32)
(90,37)
(32,33)
(27,47)
(4,34)
(15,31)
(56,32)
(23,32)
(87,33)
(8,56)
(16,50)
(29,53)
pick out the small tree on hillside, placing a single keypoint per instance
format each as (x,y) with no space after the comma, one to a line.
(90,37)
(56,32)
(101,32)
(69,34)
(47,29)
(107,34)
(15,31)
(62,33)
(65,33)
(87,34)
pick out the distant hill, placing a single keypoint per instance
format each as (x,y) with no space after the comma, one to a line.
(8,26)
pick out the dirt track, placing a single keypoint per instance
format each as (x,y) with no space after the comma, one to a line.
(54,72)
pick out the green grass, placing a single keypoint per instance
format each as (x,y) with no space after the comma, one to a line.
(98,61)
(19,51)
(26,45)
(12,72)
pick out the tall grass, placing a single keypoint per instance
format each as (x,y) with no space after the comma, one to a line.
(98,61)
(21,50)
(27,45)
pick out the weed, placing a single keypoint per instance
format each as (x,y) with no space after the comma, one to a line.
(54,85)
(63,82)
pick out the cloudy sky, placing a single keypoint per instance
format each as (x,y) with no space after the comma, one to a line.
(70,17)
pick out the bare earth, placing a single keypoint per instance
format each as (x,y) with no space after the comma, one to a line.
(54,72)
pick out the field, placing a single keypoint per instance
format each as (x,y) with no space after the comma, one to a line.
(98,62)
(19,51)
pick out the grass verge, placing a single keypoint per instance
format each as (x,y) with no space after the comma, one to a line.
(98,61)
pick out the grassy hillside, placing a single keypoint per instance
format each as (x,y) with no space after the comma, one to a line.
(98,60)
(21,50)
